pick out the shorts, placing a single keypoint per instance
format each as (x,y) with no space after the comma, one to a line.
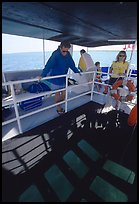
(56,87)
(111,81)
(52,86)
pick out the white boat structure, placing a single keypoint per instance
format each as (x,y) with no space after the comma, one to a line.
(91,147)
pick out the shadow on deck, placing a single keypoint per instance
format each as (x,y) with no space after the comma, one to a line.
(81,156)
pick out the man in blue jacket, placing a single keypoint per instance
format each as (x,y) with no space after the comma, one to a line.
(58,64)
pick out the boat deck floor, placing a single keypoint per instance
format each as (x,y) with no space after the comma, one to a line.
(27,123)
(82,156)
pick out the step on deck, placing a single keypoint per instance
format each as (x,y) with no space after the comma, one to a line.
(106,191)
(119,171)
(76,164)
(89,150)
(83,200)
(59,183)
(31,194)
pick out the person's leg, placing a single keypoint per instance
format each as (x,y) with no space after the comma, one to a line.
(58,99)
(99,85)
(98,88)
(117,96)
(63,94)
(106,87)
(60,96)
(111,81)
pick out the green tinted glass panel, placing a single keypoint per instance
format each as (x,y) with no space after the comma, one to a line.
(106,191)
(89,150)
(76,164)
(31,194)
(59,183)
(83,200)
(131,178)
(119,171)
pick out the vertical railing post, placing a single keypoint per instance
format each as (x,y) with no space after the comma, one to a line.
(4,80)
(43,53)
(94,76)
(15,107)
(128,71)
(66,96)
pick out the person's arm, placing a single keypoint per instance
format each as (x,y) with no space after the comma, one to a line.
(49,65)
(73,67)
(110,70)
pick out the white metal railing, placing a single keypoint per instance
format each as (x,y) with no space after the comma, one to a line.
(15,99)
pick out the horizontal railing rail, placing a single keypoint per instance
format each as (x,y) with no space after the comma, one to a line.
(14,99)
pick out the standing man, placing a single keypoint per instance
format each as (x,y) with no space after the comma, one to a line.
(58,64)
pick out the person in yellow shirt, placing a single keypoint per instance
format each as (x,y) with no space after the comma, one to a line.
(82,64)
(86,64)
(118,68)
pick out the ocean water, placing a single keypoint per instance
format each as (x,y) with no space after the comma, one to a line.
(34,60)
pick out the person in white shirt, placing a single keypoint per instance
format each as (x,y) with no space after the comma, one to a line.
(86,64)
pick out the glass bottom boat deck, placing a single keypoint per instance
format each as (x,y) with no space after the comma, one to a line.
(82,156)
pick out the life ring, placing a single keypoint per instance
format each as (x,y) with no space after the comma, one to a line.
(132,118)
(117,84)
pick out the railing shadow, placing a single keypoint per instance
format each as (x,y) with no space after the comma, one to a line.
(27,156)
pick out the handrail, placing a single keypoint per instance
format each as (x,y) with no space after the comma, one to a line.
(16,98)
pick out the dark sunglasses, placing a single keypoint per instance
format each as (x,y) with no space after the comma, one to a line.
(64,51)
(121,55)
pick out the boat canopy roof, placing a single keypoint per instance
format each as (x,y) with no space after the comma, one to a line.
(88,24)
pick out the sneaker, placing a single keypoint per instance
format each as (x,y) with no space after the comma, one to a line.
(60,112)
(105,92)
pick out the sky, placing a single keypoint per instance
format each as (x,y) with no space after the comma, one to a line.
(17,44)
